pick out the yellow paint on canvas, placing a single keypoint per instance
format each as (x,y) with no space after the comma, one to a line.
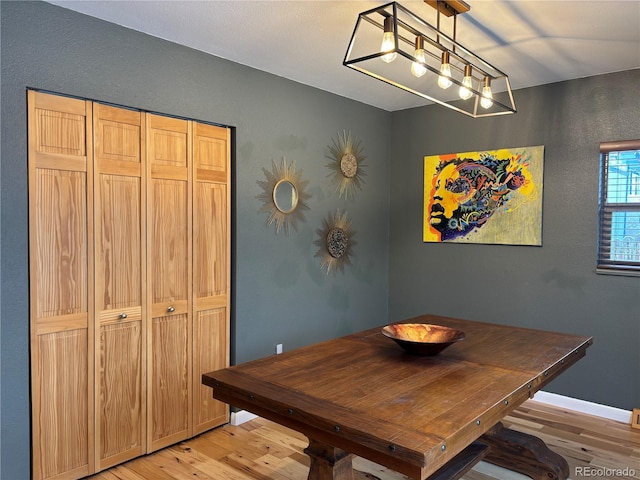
(518,221)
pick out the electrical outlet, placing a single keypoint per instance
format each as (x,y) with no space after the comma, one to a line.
(278,349)
(635,418)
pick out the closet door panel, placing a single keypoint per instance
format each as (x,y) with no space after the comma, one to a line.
(60,213)
(170,348)
(211,152)
(64,409)
(170,288)
(120,400)
(121,420)
(211,254)
(170,389)
(119,242)
(61,264)
(169,243)
(211,353)
(211,240)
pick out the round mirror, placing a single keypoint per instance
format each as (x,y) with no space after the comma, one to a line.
(285,196)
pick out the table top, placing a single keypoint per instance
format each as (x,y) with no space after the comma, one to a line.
(363,394)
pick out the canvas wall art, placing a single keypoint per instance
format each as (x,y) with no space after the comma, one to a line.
(492,197)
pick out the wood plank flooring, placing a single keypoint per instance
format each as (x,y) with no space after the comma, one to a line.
(595,448)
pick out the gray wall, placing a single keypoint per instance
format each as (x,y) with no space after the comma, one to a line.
(281,296)
(550,287)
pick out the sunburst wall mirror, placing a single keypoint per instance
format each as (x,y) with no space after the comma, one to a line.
(347,164)
(284,197)
(336,242)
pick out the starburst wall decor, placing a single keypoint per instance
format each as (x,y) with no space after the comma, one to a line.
(347,164)
(336,242)
(284,196)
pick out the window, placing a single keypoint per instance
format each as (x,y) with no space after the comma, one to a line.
(619,224)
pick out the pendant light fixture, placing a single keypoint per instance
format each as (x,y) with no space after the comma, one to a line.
(423,59)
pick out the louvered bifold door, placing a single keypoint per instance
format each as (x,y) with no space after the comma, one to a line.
(211,268)
(120,221)
(169,391)
(61,304)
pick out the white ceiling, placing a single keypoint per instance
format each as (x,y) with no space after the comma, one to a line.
(533,41)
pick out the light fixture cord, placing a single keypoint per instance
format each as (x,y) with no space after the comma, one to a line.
(455,21)
(455,24)
(438,20)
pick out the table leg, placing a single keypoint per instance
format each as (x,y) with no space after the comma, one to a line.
(328,463)
(524,453)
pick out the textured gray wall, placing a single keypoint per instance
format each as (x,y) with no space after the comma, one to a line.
(281,296)
(550,287)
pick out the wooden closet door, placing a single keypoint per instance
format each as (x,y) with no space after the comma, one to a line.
(211,268)
(120,275)
(169,279)
(61,304)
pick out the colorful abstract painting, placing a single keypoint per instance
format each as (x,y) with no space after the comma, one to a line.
(490,197)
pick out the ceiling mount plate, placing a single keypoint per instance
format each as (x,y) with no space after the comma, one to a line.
(449,7)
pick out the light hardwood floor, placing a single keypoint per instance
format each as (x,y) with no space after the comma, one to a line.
(595,448)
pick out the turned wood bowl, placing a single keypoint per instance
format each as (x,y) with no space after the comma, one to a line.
(422,338)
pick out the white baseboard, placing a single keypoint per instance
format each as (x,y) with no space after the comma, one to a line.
(582,406)
(577,405)
(240,417)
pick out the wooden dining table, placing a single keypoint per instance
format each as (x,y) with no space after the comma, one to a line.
(427,417)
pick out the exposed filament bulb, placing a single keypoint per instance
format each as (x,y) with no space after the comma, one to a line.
(417,68)
(487,97)
(465,92)
(388,41)
(444,80)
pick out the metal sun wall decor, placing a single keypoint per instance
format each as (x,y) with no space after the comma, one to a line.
(492,197)
(335,242)
(284,196)
(347,164)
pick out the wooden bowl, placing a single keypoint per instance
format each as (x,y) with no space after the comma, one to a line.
(422,338)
